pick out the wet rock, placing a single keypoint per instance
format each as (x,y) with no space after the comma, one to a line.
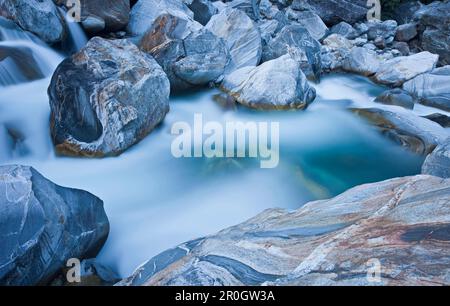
(104,15)
(438,162)
(40,17)
(43,225)
(296,37)
(276,84)
(396,97)
(398,70)
(432,89)
(406,32)
(18,65)
(402,222)
(441,119)
(105,98)
(418,134)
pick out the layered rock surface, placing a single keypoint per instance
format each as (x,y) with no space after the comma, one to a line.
(402,224)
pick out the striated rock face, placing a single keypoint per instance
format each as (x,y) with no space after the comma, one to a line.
(310,21)
(398,70)
(418,134)
(276,84)
(335,11)
(401,223)
(40,17)
(106,98)
(296,37)
(42,225)
(438,162)
(241,36)
(432,89)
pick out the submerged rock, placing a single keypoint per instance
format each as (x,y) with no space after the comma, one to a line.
(42,225)
(276,84)
(400,69)
(438,162)
(18,65)
(418,134)
(441,119)
(432,89)
(241,36)
(39,17)
(397,97)
(402,223)
(105,98)
(296,37)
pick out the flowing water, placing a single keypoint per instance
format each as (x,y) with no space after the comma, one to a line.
(155,201)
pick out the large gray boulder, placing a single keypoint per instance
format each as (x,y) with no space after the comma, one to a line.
(145,12)
(335,11)
(311,21)
(361,61)
(406,32)
(401,224)
(345,29)
(241,36)
(438,162)
(415,133)
(276,84)
(105,98)
(40,17)
(432,89)
(400,69)
(189,58)
(42,225)
(296,37)
(434,21)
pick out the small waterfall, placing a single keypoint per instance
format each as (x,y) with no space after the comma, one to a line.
(77,38)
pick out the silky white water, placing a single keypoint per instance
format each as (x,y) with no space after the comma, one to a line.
(155,201)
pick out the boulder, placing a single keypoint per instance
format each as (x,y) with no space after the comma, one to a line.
(241,37)
(438,162)
(203,10)
(344,29)
(402,47)
(406,32)
(310,21)
(386,29)
(296,37)
(276,84)
(42,225)
(361,61)
(404,12)
(336,42)
(145,12)
(40,17)
(398,70)
(432,89)
(334,11)
(396,97)
(189,61)
(104,15)
(434,19)
(401,224)
(441,119)
(417,134)
(105,98)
